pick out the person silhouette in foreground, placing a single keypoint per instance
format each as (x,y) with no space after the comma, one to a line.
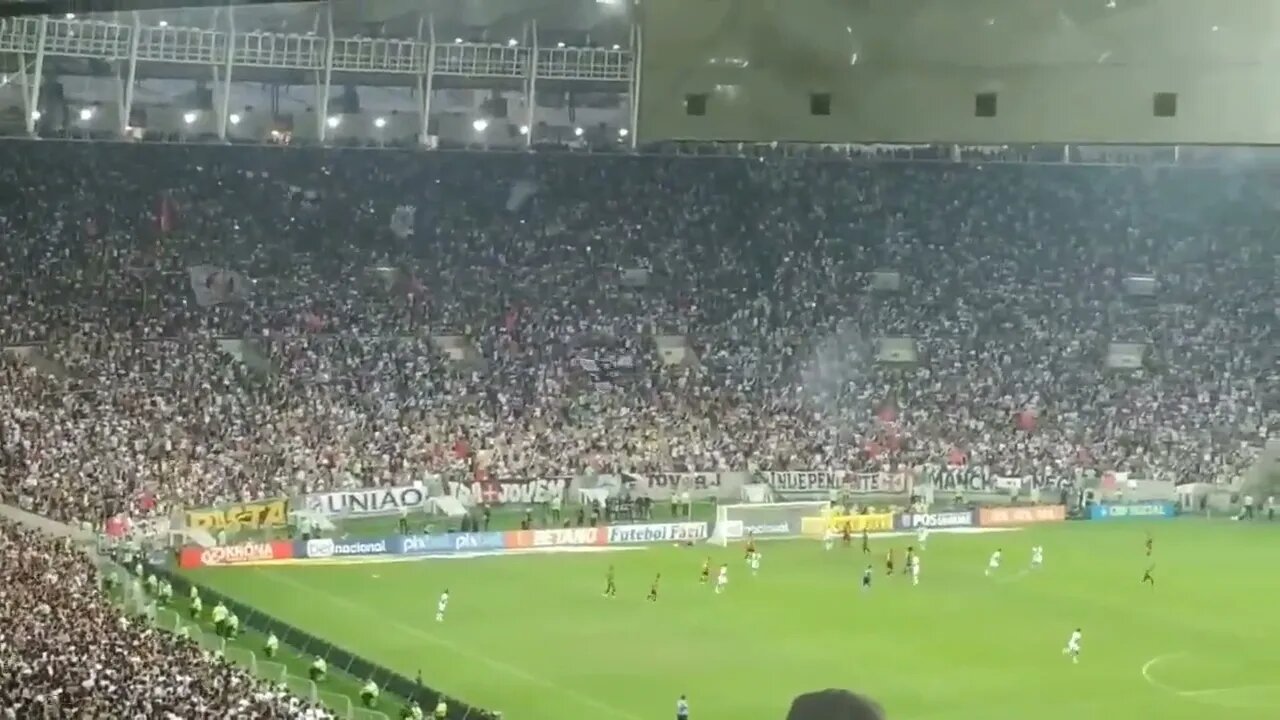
(834,705)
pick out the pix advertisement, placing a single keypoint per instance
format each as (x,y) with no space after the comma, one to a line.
(244,554)
(656,533)
(960,518)
(450,543)
(1144,511)
(1005,516)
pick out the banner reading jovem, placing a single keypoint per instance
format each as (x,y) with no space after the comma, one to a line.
(368,502)
(504,491)
(818,484)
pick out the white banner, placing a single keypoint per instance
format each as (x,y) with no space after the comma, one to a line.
(661,486)
(818,484)
(368,502)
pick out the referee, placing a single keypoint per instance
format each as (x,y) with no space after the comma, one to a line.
(682,708)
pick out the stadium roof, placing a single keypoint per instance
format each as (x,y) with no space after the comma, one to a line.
(575,22)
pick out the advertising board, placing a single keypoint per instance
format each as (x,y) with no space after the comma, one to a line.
(328,547)
(243,554)
(557,537)
(509,491)
(1002,516)
(961,518)
(450,543)
(878,522)
(1145,511)
(656,533)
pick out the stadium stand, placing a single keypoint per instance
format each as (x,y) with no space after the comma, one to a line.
(68,652)
(188,325)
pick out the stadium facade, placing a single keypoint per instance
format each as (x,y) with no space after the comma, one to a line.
(610,73)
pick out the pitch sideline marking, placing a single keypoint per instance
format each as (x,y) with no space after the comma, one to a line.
(1189,694)
(498,665)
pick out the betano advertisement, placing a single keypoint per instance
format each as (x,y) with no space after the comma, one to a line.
(1142,511)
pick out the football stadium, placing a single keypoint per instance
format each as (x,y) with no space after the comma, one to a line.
(622,359)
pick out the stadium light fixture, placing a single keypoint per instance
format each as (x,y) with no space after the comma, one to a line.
(623,132)
(86,114)
(480,125)
(189,117)
(234,118)
(524,129)
(513,42)
(35,115)
(457,41)
(164,23)
(70,16)
(380,122)
(333,121)
(617,46)
(560,45)
(577,132)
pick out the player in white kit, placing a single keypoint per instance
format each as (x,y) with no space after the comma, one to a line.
(755,563)
(722,580)
(922,536)
(829,538)
(915,569)
(442,605)
(994,563)
(1037,557)
(1073,646)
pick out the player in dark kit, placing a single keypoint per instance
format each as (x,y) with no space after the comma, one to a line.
(610,589)
(846,534)
(751,546)
(888,562)
(1147,577)
(866,542)
(1149,542)
(653,589)
(906,563)
(705,575)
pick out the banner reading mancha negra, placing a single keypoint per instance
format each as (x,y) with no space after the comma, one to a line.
(254,515)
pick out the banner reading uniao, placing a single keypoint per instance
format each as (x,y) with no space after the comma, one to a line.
(368,502)
(1146,510)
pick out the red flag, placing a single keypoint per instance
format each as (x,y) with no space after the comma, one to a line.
(117,526)
(957,457)
(1026,420)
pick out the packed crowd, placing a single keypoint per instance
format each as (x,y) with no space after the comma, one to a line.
(66,651)
(307,359)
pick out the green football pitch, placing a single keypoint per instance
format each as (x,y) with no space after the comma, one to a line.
(532,636)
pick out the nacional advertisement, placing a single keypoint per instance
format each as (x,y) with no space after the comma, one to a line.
(508,491)
(1004,516)
(1146,510)
(819,484)
(557,537)
(656,533)
(243,554)
(960,518)
(878,522)
(254,515)
(328,548)
(369,502)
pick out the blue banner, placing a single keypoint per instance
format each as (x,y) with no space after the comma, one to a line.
(960,518)
(449,543)
(328,547)
(1135,510)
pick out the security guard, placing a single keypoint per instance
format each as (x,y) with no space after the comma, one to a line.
(273,644)
(318,669)
(369,694)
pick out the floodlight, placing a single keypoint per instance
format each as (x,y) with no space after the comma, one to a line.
(234,119)
(333,121)
(480,125)
(188,117)
(380,122)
